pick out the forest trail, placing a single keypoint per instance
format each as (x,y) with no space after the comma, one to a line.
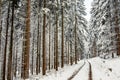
(85,73)
(91,69)
(76,72)
(97,69)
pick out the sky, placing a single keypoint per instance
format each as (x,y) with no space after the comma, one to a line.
(88,7)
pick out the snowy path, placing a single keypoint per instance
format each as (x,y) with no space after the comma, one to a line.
(94,69)
(83,73)
(76,72)
(90,72)
(61,74)
(99,69)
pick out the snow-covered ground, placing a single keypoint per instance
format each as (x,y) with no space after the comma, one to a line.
(101,70)
(61,74)
(83,73)
(105,69)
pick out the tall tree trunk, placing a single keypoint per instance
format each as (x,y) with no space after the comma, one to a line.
(9,75)
(0,38)
(0,26)
(68,53)
(32,66)
(71,59)
(117,27)
(44,42)
(56,42)
(6,42)
(16,61)
(26,49)
(75,40)
(38,51)
(54,49)
(49,43)
(22,64)
(1,51)
(38,43)
(62,44)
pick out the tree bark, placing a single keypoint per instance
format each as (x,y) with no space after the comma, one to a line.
(56,42)
(0,27)
(68,53)
(38,50)
(26,49)
(44,42)
(16,62)
(6,42)
(10,55)
(54,48)
(117,28)
(62,44)
(49,44)
(75,40)
(71,59)
(32,67)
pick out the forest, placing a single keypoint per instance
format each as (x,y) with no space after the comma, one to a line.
(41,38)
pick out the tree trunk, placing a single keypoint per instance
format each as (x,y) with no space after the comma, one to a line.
(38,43)
(10,73)
(0,27)
(56,42)
(62,44)
(71,59)
(16,61)
(22,65)
(38,50)
(44,42)
(68,53)
(49,43)
(117,27)
(75,40)
(26,49)
(54,49)
(6,42)
(32,67)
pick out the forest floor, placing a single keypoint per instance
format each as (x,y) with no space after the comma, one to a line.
(92,69)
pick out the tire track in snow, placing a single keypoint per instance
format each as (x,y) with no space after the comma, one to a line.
(90,71)
(76,72)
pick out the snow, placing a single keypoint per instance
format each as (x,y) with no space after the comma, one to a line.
(102,69)
(61,74)
(83,73)
(88,8)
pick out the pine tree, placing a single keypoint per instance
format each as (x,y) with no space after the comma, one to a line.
(105,22)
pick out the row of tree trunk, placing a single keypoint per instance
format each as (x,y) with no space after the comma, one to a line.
(9,69)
